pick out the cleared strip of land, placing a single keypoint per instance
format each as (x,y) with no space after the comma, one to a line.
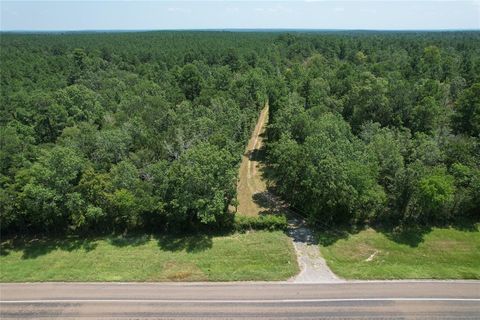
(251,186)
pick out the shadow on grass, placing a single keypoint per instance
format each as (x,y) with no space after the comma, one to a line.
(408,236)
(133,241)
(411,236)
(264,200)
(33,248)
(328,237)
(189,243)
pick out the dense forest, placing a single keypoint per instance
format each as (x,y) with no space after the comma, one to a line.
(123,131)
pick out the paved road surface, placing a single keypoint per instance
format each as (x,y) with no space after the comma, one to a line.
(357,300)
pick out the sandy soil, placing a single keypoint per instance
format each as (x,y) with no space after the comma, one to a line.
(251,186)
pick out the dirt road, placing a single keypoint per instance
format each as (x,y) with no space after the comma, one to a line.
(255,198)
(251,184)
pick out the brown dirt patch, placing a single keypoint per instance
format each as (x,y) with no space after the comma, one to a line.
(251,184)
(183,271)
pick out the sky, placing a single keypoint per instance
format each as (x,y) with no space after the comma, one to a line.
(165,15)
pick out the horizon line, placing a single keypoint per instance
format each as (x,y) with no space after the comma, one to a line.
(233,30)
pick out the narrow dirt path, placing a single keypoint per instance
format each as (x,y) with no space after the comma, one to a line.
(251,184)
(254,198)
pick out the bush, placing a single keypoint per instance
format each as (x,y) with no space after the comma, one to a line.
(264,222)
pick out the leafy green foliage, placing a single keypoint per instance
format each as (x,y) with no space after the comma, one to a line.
(109,134)
(436,192)
(190,81)
(125,131)
(467,117)
(203,185)
(263,222)
(381,134)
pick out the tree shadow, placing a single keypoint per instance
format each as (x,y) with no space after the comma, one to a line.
(33,248)
(189,243)
(134,241)
(263,199)
(327,237)
(407,235)
(271,204)
(413,235)
(256,154)
(410,235)
(470,225)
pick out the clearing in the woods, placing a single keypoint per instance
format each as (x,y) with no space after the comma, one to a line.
(251,186)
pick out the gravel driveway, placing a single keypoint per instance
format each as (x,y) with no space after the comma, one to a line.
(313,267)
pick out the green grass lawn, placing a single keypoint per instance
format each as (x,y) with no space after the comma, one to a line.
(436,254)
(247,256)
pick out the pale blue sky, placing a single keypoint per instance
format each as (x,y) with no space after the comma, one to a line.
(147,15)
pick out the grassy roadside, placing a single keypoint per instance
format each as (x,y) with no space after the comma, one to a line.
(256,255)
(436,254)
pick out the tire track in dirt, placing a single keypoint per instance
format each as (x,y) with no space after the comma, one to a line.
(251,183)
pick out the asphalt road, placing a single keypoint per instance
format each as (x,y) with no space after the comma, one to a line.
(352,300)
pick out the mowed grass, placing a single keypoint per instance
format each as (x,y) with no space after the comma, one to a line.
(437,254)
(247,256)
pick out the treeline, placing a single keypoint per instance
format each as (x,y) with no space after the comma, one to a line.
(121,131)
(114,132)
(384,129)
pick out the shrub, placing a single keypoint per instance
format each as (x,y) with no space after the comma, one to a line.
(264,222)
